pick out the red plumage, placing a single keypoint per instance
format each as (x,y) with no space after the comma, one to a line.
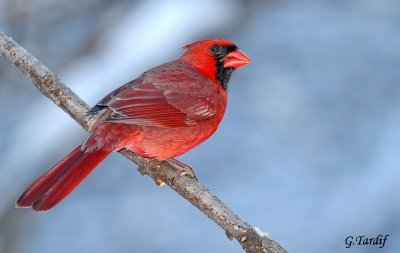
(162,114)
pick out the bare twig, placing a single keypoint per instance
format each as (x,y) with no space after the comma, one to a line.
(47,82)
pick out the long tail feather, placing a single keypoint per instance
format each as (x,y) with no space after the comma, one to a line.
(52,187)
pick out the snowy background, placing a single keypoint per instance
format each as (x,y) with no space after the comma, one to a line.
(308,150)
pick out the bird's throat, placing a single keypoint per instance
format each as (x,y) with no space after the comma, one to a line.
(223,74)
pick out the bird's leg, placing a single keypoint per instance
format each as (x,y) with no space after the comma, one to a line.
(184,170)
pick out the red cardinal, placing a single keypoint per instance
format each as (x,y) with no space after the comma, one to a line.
(162,114)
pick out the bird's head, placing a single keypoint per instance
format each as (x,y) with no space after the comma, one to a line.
(215,59)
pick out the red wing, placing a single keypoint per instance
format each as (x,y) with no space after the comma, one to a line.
(164,106)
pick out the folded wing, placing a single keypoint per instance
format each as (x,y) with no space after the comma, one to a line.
(149,104)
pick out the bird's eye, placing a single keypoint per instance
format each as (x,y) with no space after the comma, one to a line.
(218,50)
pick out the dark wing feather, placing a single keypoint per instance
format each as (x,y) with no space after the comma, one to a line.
(102,104)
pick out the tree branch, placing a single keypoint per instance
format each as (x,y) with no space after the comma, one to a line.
(251,239)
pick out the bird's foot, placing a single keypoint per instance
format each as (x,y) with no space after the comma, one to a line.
(183,169)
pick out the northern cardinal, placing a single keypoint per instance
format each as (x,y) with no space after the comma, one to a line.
(162,114)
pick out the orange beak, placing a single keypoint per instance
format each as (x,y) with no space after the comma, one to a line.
(236,59)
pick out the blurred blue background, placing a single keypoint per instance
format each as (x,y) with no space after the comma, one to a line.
(308,150)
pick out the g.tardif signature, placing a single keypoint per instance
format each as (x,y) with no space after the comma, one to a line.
(380,240)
